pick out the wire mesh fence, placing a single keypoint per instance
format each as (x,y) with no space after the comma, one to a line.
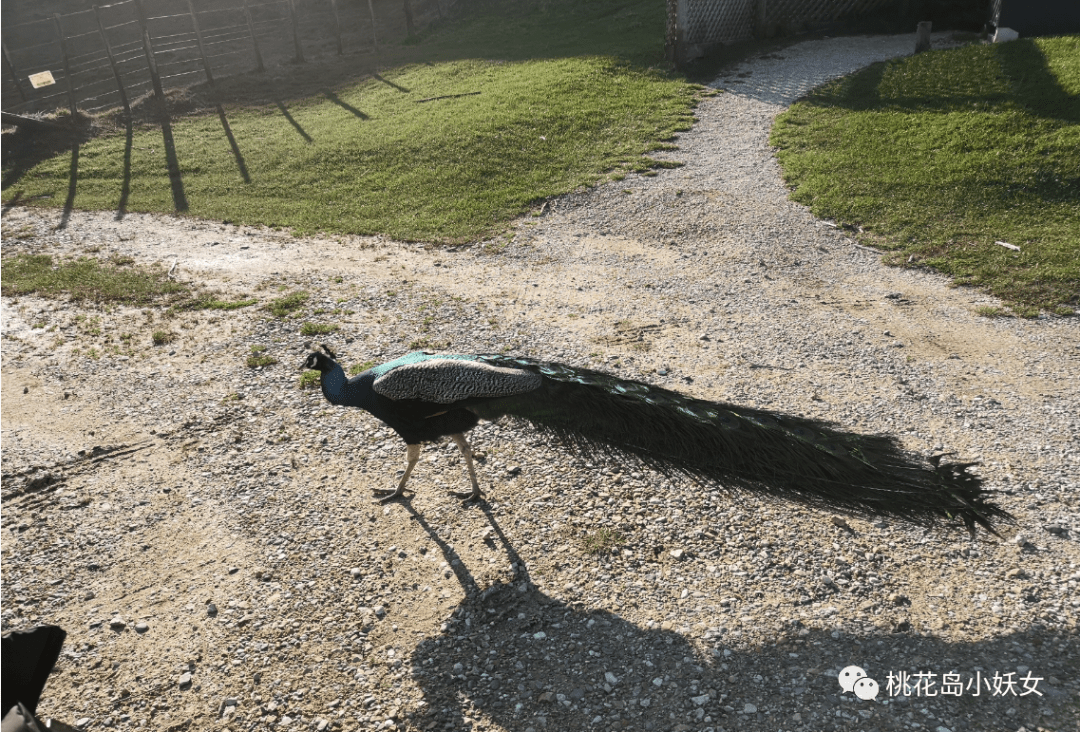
(107,55)
(696,25)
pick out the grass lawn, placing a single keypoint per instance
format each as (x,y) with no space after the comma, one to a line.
(114,280)
(938,156)
(542,109)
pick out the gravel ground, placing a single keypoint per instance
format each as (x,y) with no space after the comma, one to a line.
(206,534)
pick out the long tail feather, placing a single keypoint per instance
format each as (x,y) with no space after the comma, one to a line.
(802,460)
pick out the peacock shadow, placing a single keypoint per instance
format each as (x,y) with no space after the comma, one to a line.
(525,660)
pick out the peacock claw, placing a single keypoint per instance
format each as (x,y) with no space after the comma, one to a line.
(386,495)
(467,496)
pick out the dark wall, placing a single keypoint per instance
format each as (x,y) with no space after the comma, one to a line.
(901,17)
(1040,17)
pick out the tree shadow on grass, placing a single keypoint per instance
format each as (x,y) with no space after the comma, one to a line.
(526,660)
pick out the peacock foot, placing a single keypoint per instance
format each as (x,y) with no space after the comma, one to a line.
(467,496)
(385,494)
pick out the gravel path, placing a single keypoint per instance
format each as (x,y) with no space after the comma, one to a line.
(206,532)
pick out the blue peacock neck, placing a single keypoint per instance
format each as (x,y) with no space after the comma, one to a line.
(343,391)
(333,384)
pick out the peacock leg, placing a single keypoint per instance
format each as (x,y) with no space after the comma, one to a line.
(459,440)
(412,454)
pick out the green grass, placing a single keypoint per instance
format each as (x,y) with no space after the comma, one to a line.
(114,280)
(940,155)
(87,278)
(311,329)
(309,380)
(286,305)
(209,302)
(359,368)
(258,358)
(162,337)
(565,98)
(603,541)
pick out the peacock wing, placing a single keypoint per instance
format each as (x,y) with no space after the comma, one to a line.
(449,380)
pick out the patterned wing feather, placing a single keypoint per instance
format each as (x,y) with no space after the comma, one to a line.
(448,380)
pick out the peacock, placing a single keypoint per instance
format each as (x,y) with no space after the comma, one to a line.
(426,396)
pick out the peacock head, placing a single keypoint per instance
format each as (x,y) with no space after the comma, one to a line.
(319,361)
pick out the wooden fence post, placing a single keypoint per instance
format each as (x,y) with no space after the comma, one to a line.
(761,19)
(254,38)
(67,68)
(11,70)
(374,40)
(198,40)
(148,49)
(112,62)
(922,36)
(409,20)
(337,27)
(295,31)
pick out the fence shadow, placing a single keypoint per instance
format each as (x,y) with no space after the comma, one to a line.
(125,185)
(343,104)
(296,125)
(172,162)
(233,144)
(15,201)
(25,148)
(527,660)
(73,181)
(389,83)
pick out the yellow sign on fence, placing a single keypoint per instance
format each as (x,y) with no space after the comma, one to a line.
(45,78)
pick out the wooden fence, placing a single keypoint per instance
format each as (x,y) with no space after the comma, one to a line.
(109,55)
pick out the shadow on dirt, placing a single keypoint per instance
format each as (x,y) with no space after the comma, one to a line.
(528,661)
